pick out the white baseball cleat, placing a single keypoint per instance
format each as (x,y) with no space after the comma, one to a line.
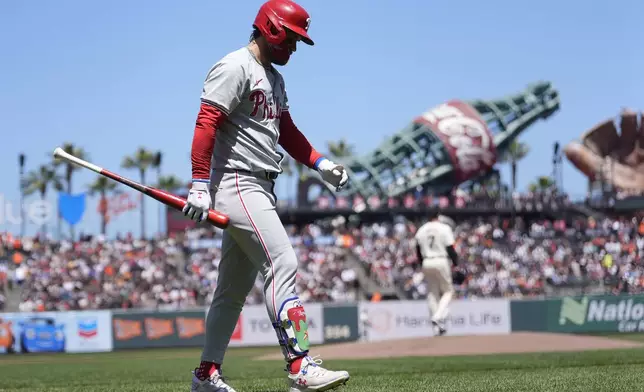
(314,378)
(215,383)
(439,328)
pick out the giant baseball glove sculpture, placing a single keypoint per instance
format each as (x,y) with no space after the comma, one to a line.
(616,157)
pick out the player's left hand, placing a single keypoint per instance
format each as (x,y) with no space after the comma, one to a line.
(333,173)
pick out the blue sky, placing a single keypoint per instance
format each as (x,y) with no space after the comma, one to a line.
(113,76)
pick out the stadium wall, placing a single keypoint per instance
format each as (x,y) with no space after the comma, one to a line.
(108,330)
(580,314)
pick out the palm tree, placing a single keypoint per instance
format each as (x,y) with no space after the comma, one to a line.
(102,186)
(515,152)
(542,183)
(68,170)
(300,170)
(170,183)
(158,159)
(492,183)
(40,181)
(21,169)
(156,163)
(341,148)
(142,160)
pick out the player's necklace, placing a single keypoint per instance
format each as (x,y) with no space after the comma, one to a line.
(256,59)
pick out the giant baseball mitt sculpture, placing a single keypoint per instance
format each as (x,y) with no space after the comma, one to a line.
(613,153)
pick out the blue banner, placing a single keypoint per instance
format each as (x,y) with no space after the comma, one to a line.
(71,207)
(56,332)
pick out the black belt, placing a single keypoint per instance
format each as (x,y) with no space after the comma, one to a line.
(269,175)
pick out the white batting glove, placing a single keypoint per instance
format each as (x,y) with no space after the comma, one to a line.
(199,201)
(332,173)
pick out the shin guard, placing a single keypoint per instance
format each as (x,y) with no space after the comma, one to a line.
(292,329)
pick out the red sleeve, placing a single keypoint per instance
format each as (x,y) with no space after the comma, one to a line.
(203,142)
(295,143)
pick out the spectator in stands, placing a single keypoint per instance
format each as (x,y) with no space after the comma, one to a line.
(504,257)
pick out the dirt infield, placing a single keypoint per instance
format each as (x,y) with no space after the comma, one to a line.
(468,345)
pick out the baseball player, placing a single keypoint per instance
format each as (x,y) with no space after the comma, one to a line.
(434,245)
(244,116)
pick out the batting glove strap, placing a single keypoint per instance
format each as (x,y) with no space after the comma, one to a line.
(317,163)
(201,185)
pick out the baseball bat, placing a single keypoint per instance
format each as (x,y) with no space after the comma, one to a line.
(215,217)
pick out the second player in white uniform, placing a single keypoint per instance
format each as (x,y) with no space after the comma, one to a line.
(435,251)
(243,118)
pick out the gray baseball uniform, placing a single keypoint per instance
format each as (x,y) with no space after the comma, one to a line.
(245,150)
(253,97)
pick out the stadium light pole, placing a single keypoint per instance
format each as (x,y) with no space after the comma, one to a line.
(21,166)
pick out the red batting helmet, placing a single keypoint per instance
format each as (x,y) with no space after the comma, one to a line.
(275,16)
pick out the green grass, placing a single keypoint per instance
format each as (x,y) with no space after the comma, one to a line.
(169,370)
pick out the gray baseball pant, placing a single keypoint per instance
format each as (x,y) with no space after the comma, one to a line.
(255,241)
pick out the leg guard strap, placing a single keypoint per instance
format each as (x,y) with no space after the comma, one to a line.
(292,329)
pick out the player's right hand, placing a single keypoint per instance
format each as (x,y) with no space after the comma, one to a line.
(199,201)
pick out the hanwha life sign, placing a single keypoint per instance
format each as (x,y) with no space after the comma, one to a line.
(395,320)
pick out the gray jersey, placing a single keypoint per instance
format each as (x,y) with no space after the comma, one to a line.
(254,98)
(434,238)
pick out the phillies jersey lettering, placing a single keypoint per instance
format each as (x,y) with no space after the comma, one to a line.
(264,107)
(254,98)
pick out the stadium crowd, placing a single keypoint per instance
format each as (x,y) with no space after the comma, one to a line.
(504,257)
(165,273)
(507,257)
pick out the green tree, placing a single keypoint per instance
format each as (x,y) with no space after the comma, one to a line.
(69,168)
(515,152)
(170,183)
(340,149)
(141,160)
(40,181)
(492,183)
(542,183)
(300,170)
(103,186)
(156,164)
(68,171)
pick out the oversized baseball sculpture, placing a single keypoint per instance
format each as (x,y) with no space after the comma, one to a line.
(216,218)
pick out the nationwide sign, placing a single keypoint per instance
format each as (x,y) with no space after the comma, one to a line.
(597,314)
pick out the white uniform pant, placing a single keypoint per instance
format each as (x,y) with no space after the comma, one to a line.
(438,275)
